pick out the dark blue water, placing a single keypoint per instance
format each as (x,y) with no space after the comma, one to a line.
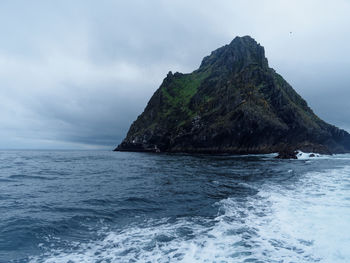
(96,206)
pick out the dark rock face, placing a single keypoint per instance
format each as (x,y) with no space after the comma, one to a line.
(234,103)
(287,154)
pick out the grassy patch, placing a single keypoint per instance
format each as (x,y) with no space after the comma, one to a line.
(180,91)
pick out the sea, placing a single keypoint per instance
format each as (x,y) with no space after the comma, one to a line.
(104,207)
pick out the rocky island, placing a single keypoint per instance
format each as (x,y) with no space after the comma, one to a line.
(234,103)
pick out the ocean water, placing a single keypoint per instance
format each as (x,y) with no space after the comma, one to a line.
(100,206)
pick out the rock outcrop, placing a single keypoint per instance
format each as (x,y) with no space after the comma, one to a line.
(234,103)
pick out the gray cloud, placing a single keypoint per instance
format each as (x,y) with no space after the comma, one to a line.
(75,74)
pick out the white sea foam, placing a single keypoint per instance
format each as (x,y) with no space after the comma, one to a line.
(317,213)
(306,156)
(309,156)
(307,222)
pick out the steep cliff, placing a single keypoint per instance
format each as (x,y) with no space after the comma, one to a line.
(234,103)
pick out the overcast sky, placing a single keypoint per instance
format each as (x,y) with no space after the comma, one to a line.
(75,74)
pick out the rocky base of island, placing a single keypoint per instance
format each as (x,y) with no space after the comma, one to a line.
(284,151)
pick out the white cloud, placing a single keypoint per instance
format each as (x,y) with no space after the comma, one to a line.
(80,72)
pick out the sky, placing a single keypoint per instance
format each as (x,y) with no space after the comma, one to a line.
(76,74)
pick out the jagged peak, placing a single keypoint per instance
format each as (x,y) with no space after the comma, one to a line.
(244,39)
(241,52)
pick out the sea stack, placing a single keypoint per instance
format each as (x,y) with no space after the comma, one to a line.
(234,103)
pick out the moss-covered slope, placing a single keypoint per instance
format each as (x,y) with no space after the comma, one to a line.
(234,103)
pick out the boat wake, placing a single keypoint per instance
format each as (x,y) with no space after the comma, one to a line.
(307,221)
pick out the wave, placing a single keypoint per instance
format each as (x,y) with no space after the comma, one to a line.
(35,177)
(309,156)
(307,222)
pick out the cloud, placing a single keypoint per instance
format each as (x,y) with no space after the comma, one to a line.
(76,74)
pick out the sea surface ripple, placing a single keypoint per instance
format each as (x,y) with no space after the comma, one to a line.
(104,207)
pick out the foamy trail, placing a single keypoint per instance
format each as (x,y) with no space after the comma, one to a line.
(308,221)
